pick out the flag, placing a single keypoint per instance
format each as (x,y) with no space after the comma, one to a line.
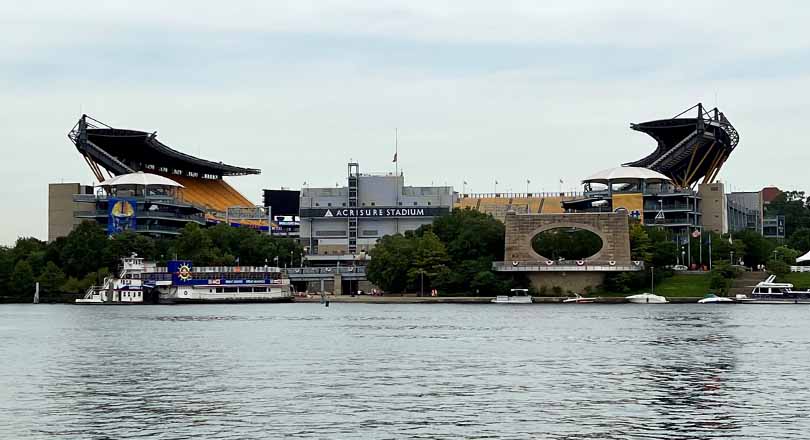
(729,239)
(528,181)
(561,181)
(395,157)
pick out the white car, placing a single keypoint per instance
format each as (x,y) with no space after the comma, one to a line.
(679,267)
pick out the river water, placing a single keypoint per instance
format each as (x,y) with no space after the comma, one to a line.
(405,371)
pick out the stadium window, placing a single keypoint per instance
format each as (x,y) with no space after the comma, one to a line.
(344,204)
(400,203)
(414,203)
(363,204)
(373,204)
(317,204)
(428,203)
(328,204)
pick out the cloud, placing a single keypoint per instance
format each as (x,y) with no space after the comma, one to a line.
(479,92)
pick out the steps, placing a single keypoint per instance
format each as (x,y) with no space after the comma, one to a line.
(743,284)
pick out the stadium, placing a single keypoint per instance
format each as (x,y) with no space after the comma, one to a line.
(198,192)
(690,150)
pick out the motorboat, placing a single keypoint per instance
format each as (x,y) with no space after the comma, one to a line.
(579,299)
(523,298)
(714,299)
(771,292)
(646,298)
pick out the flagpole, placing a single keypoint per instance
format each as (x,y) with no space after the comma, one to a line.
(396,153)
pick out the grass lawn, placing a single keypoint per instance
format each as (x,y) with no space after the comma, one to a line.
(800,280)
(692,285)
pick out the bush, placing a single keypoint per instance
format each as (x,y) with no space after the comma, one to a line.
(777,267)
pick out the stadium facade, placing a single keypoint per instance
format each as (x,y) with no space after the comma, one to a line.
(343,223)
(202,196)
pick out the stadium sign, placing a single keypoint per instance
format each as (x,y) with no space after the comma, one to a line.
(380,212)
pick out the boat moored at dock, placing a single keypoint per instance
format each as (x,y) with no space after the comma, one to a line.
(141,282)
(771,292)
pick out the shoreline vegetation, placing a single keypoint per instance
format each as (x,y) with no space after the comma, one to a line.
(453,255)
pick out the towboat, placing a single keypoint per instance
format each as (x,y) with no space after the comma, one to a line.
(524,298)
(142,282)
(646,298)
(579,299)
(714,299)
(771,292)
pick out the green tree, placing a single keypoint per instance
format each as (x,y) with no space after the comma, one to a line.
(22,279)
(84,250)
(757,248)
(51,279)
(390,261)
(428,263)
(800,240)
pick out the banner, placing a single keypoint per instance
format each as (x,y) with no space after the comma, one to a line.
(121,215)
(181,272)
(633,204)
(377,212)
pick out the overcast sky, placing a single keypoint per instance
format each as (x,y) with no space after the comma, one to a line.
(479,90)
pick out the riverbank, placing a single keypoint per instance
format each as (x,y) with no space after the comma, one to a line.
(412,299)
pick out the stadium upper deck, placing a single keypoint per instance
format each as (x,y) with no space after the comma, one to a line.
(121,151)
(690,150)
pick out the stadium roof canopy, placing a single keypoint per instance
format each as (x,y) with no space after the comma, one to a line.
(690,150)
(625,174)
(123,151)
(141,179)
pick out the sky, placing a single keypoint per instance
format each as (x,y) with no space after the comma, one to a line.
(479,91)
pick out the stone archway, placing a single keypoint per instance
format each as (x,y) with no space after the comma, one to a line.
(612,228)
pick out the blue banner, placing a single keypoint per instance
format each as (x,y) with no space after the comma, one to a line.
(181,271)
(121,215)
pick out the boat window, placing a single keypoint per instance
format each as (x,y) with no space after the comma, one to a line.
(219,289)
(231,289)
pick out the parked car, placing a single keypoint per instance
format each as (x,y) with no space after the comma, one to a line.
(679,267)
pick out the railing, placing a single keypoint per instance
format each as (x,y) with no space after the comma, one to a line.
(145,214)
(519,195)
(326,270)
(566,266)
(800,268)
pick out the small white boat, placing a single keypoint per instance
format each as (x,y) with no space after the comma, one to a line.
(514,299)
(714,299)
(646,298)
(578,299)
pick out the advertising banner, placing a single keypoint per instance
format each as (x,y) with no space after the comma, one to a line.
(121,215)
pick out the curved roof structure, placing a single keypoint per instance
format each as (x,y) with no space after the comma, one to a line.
(123,151)
(690,149)
(624,174)
(141,179)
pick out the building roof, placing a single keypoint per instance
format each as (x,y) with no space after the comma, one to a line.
(123,151)
(622,174)
(770,193)
(141,179)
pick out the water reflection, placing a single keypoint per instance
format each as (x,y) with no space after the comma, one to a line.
(393,371)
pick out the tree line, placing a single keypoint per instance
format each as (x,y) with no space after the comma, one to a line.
(71,264)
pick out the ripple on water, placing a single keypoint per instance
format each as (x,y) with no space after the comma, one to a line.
(394,371)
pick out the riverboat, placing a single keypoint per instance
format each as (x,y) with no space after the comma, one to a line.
(143,282)
(771,292)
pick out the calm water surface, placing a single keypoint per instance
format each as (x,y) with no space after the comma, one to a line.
(405,371)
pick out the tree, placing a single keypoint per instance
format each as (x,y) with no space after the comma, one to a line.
(22,279)
(84,250)
(429,261)
(800,240)
(51,279)
(757,248)
(390,261)
(641,246)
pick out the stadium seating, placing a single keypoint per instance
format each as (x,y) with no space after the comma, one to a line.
(211,193)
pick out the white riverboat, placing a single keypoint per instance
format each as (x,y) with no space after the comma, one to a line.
(141,282)
(523,298)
